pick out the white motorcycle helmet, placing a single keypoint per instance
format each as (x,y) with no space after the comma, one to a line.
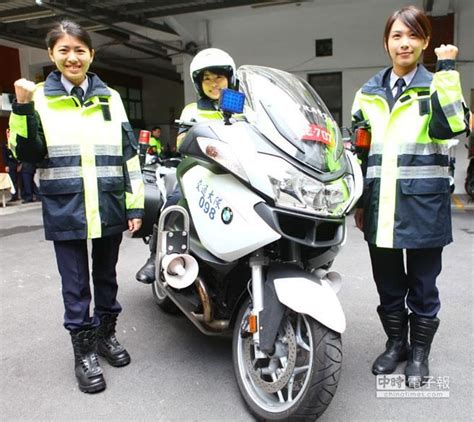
(214,60)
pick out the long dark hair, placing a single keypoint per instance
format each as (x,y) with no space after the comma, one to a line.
(70,28)
(413,18)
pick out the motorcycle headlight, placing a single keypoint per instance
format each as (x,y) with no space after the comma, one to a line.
(294,189)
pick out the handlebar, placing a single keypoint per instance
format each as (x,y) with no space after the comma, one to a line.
(185,123)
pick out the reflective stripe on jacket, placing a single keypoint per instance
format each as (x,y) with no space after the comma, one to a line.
(90,177)
(406,197)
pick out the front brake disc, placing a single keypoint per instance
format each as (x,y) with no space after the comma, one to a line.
(283,376)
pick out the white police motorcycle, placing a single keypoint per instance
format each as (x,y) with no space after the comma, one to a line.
(247,251)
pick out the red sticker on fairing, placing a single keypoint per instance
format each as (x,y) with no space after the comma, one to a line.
(317,133)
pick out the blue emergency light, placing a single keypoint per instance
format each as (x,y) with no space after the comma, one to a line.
(232,101)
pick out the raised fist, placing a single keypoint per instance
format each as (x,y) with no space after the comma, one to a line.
(446,52)
(24,90)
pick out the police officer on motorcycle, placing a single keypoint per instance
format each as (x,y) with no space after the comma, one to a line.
(211,70)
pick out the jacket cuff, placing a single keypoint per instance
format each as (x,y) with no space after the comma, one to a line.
(23,109)
(135,213)
(445,65)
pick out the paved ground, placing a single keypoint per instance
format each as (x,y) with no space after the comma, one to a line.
(462,202)
(176,373)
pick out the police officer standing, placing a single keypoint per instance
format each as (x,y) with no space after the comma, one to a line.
(76,129)
(406,203)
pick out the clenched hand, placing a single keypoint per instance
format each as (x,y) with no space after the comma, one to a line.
(24,90)
(446,52)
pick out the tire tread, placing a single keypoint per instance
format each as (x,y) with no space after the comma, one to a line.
(325,376)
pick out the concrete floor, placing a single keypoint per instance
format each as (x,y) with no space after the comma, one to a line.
(178,374)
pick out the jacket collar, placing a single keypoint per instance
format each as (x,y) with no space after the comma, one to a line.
(53,86)
(206,104)
(375,85)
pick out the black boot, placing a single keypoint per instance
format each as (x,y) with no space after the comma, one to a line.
(87,368)
(108,346)
(146,274)
(395,326)
(422,331)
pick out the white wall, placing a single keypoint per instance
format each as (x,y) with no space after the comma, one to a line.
(284,37)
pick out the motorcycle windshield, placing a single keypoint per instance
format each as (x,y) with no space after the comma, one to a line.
(288,111)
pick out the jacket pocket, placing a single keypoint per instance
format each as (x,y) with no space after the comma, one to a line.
(61,186)
(63,205)
(424,211)
(112,201)
(424,186)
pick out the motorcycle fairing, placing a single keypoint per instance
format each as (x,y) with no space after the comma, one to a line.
(189,147)
(318,232)
(358,179)
(223,214)
(315,298)
(288,111)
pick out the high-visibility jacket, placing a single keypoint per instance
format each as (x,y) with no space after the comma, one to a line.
(90,177)
(201,111)
(406,196)
(156,144)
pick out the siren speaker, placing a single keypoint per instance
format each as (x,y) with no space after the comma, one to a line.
(179,270)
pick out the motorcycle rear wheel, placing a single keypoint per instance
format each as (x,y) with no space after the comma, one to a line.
(299,380)
(162,299)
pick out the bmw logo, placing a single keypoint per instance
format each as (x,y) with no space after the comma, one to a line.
(227,215)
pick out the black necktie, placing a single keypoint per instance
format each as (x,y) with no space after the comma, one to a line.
(399,84)
(78,92)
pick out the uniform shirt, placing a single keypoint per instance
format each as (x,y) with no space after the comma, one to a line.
(394,78)
(68,85)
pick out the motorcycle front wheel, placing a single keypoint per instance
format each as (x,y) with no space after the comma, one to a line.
(298,379)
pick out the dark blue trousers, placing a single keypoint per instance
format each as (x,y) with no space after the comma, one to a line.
(415,285)
(73,264)
(28,184)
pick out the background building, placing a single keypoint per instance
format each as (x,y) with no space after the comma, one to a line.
(144,48)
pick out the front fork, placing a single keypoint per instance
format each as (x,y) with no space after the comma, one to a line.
(257,262)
